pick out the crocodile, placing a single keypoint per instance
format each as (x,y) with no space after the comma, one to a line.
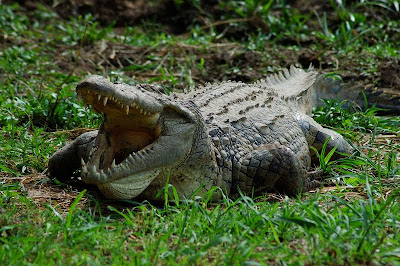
(242,138)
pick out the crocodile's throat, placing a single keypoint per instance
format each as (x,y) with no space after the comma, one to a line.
(128,131)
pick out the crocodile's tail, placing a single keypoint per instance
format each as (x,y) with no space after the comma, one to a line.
(327,88)
(304,89)
(385,98)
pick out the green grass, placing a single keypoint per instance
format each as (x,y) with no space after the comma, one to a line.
(353,121)
(319,230)
(42,57)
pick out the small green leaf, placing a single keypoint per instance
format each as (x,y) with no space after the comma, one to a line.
(73,207)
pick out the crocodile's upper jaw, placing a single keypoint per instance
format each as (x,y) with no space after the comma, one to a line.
(133,143)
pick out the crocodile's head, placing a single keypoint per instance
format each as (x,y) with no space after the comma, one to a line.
(144,131)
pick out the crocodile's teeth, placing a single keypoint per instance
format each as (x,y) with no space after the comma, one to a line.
(108,171)
(133,105)
(103,175)
(105,101)
(94,170)
(141,110)
(97,175)
(127,109)
(144,112)
(113,164)
(83,162)
(84,169)
(125,167)
(99,97)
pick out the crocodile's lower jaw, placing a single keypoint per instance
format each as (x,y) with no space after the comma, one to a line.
(128,187)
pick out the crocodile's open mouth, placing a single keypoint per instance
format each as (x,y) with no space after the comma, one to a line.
(128,130)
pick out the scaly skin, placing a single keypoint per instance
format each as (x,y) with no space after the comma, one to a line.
(239,137)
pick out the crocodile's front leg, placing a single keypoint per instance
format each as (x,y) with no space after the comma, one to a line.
(67,160)
(272,167)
